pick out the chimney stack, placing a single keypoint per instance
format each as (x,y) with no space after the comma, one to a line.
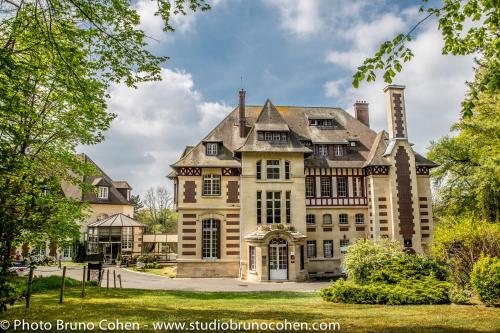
(242,119)
(396,112)
(361,112)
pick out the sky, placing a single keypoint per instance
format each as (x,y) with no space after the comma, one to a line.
(295,52)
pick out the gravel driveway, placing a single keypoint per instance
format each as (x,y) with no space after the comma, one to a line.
(136,280)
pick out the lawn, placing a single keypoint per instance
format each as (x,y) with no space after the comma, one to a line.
(146,307)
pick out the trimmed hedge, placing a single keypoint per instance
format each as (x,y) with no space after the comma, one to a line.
(485,280)
(427,291)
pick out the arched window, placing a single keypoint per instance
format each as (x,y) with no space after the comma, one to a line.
(327,219)
(259,170)
(211,239)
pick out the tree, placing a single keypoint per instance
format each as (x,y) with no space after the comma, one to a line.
(138,205)
(157,211)
(481,38)
(57,61)
(467,179)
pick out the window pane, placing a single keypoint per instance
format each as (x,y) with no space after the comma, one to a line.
(309,186)
(360,219)
(328,248)
(259,207)
(209,239)
(341,186)
(311,248)
(327,219)
(326,188)
(343,219)
(273,169)
(311,219)
(287,170)
(211,185)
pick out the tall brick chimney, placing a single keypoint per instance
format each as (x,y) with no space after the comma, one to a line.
(361,112)
(396,111)
(242,119)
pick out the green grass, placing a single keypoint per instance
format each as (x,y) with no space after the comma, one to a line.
(146,307)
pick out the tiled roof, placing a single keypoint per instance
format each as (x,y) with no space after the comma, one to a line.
(369,147)
(100,179)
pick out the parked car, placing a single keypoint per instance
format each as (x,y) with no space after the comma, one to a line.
(19,268)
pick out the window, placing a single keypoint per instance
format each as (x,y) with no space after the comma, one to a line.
(360,219)
(273,169)
(326,187)
(67,252)
(212,148)
(273,206)
(287,169)
(128,195)
(323,150)
(276,136)
(211,185)
(260,136)
(357,186)
(325,123)
(210,239)
(268,136)
(341,186)
(343,219)
(311,219)
(327,219)
(338,150)
(311,249)
(344,243)
(259,207)
(288,208)
(251,258)
(127,238)
(352,143)
(284,136)
(102,192)
(328,248)
(309,186)
(258,170)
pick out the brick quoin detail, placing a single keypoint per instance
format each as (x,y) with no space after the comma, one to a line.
(403,185)
(398,116)
(190,191)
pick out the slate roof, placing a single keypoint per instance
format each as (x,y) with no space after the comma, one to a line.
(100,179)
(369,148)
(117,220)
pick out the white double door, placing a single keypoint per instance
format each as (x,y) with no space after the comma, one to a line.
(278,259)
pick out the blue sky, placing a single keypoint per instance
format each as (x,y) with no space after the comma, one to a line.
(295,52)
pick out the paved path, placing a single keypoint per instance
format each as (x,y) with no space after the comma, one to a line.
(136,280)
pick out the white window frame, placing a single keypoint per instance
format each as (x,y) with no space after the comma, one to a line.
(276,136)
(326,187)
(343,219)
(211,185)
(311,249)
(209,238)
(309,186)
(360,218)
(327,219)
(344,243)
(310,219)
(102,192)
(323,150)
(252,258)
(338,150)
(268,136)
(328,248)
(273,207)
(275,167)
(127,238)
(212,148)
(342,187)
(357,186)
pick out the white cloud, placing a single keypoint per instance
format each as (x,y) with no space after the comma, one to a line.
(300,17)
(154,123)
(435,87)
(333,88)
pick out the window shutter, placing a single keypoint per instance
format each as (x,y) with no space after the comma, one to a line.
(330,152)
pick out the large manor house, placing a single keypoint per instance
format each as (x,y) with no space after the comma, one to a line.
(279,192)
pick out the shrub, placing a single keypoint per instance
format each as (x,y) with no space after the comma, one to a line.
(427,291)
(459,295)
(485,280)
(364,257)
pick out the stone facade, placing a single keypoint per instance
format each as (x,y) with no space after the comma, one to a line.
(278,193)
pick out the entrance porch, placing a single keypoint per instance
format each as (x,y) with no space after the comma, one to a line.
(273,255)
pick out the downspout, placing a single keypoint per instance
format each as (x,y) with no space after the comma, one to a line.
(239,220)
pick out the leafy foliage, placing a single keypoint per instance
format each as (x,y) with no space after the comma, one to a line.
(485,279)
(467,27)
(157,211)
(426,291)
(57,60)
(381,273)
(459,243)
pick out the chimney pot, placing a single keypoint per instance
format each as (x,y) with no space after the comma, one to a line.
(361,112)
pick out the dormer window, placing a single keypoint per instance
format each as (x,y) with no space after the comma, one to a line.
(212,148)
(102,192)
(323,150)
(128,195)
(352,143)
(338,150)
(328,123)
(272,136)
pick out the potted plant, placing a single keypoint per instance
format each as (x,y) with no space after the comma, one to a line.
(118,260)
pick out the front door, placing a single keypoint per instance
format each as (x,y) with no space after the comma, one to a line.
(278,259)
